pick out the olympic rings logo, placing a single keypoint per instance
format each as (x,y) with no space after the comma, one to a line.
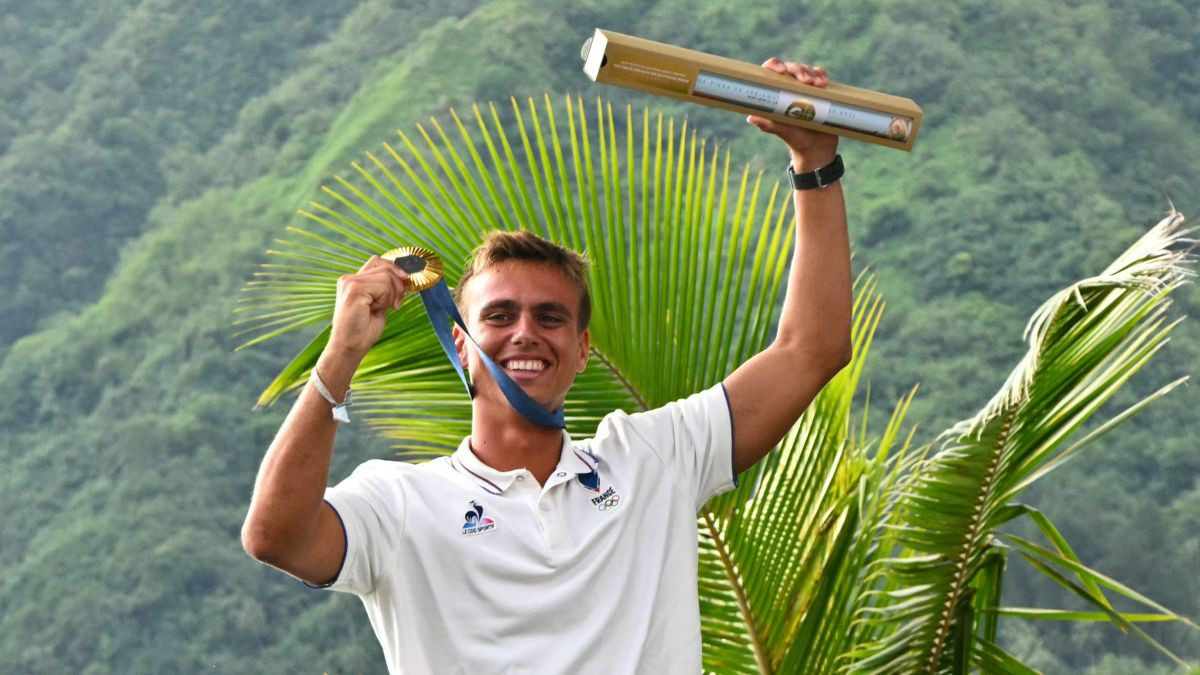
(609,504)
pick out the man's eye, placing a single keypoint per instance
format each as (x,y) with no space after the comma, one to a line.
(497,317)
(553,319)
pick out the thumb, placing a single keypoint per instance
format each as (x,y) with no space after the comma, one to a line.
(763,124)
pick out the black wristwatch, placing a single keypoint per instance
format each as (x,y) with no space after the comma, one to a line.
(826,175)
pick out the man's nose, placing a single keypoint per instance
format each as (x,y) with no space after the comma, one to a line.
(525,329)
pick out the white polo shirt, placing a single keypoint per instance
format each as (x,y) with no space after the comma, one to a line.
(464,569)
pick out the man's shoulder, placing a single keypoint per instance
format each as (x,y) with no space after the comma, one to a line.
(710,401)
(398,471)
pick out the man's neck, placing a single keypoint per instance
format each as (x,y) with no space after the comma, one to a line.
(507,441)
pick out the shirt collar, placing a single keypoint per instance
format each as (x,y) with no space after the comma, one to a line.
(573,459)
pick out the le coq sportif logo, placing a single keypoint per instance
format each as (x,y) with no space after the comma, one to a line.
(475,522)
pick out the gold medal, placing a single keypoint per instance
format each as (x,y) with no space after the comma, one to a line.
(423,266)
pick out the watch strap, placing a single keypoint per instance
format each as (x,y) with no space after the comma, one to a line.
(822,177)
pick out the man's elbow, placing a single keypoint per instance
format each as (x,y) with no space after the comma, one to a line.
(253,543)
(845,356)
(825,358)
(259,543)
(837,360)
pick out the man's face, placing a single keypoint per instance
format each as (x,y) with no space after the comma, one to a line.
(525,315)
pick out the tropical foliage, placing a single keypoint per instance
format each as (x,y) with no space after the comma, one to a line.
(936,604)
(151,151)
(843,550)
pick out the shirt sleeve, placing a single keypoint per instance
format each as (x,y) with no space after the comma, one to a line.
(370,503)
(693,438)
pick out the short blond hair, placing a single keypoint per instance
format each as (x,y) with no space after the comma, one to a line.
(521,245)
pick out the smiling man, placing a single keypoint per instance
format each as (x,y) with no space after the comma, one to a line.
(527,303)
(528,551)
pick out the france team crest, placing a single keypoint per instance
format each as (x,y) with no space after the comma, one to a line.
(604,500)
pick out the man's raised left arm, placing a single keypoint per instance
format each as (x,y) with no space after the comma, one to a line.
(769,392)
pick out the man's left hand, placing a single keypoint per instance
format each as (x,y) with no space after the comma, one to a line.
(810,149)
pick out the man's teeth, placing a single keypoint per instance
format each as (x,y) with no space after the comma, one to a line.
(525,365)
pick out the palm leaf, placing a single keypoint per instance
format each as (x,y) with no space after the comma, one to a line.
(926,600)
(782,555)
(684,273)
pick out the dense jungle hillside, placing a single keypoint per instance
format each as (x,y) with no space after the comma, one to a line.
(151,150)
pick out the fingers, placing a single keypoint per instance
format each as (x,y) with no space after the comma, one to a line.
(363,301)
(775,64)
(801,142)
(816,76)
(383,283)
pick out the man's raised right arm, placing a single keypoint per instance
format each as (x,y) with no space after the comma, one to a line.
(289,524)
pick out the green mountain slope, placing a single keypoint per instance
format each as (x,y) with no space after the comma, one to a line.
(150,152)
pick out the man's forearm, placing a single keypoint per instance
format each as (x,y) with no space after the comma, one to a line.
(288,495)
(288,524)
(812,343)
(816,313)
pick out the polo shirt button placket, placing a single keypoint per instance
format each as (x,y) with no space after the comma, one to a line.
(551,528)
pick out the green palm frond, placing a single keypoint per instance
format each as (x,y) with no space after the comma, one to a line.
(932,602)
(687,257)
(782,555)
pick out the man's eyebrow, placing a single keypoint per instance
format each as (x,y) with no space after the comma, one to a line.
(558,307)
(509,305)
(513,306)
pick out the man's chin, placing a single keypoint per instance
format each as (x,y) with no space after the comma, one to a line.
(533,391)
(547,402)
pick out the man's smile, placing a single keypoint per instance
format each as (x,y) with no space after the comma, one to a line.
(535,365)
(524,369)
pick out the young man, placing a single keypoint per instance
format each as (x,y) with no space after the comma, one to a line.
(528,551)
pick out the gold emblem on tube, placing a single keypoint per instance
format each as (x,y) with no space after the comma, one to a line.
(424,267)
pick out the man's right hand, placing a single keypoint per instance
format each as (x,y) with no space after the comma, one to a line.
(363,301)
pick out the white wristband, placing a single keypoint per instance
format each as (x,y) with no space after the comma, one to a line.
(340,414)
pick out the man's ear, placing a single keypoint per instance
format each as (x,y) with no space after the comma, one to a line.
(460,344)
(585,349)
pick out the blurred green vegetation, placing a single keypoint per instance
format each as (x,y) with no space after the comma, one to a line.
(150,152)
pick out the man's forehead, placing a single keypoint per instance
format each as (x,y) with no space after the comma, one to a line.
(521,282)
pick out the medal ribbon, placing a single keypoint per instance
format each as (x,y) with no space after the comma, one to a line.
(440,308)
